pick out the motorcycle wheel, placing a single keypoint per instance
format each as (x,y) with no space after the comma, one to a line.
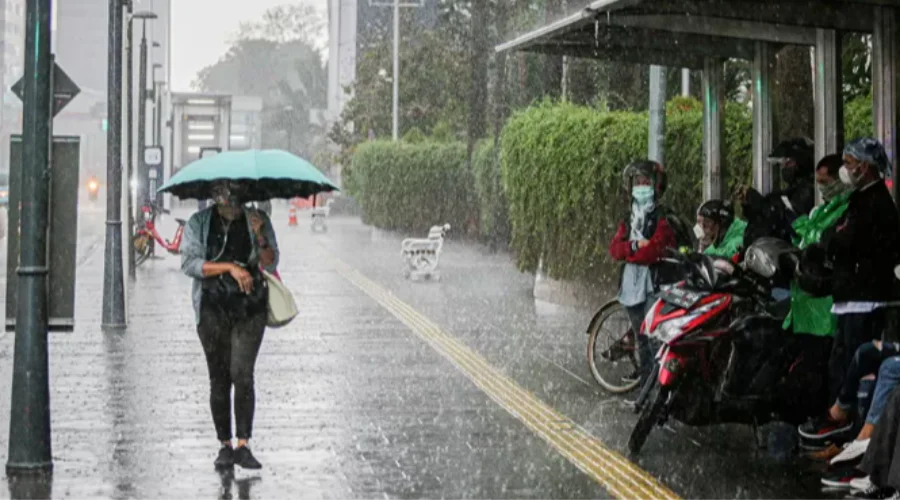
(649,418)
(612,351)
(141,244)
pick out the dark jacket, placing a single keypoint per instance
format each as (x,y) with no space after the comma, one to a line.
(663,238)
(864,247)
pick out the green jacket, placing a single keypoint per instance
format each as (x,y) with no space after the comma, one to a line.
(731,243)
(812,315)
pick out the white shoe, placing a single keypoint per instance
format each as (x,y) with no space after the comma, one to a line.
(852,450)
(861,483)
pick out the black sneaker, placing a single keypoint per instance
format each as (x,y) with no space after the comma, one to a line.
(225,459)
(824,427)
(840,479)
(873,493)
(244,458)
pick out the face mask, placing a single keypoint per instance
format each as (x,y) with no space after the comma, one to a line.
(789,175)
(850,178)
(226,198)
(699,232)
(832,190)
(642,194)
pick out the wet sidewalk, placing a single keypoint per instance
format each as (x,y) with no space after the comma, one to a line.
(381,388)
(349,403)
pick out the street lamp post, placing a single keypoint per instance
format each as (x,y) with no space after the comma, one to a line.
(113,280)
(129,132)
(157,103)
(396,4)
(143,195)
(29,421)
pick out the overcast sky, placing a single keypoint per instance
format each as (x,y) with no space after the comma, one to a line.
(201,29)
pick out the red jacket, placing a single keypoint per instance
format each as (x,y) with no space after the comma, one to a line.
(621,249)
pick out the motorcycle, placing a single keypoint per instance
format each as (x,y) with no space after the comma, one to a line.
(93,188)
(716,329)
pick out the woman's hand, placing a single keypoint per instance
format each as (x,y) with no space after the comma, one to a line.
(256,223)
(243,278)
(643,243)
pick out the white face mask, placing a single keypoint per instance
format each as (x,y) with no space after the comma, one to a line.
(848,178)
(699,232)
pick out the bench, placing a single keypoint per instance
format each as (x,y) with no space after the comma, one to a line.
(423,254)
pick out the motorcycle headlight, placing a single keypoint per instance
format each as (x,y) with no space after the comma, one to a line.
(668,330)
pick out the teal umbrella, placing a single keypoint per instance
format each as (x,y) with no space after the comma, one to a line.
(266,174)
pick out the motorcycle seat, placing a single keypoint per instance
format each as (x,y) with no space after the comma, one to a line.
(180,222)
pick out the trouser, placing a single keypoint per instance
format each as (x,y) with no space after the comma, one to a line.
(888,380)
(231,346)
(853,330)
(636,315)
(879,461)
(866,361)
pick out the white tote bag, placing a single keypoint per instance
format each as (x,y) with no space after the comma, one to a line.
(282,308)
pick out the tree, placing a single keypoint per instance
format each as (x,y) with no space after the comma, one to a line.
(276,60)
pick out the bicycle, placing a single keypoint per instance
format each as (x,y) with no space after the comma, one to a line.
(145,236)
(612,349)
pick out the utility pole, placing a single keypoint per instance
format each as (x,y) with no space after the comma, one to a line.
(396,128)
(129,131)
(113,280)
(29,421)
(143,175)
(657,147)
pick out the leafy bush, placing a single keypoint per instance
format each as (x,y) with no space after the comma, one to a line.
(858,121)
(562,173)
(492,202)
(412,187)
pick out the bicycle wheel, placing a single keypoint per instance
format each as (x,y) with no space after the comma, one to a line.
(612,351)
(141,244)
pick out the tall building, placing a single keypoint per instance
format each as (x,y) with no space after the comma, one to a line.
(81,41)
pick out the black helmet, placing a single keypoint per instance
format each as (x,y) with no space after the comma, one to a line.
(647,168)
(718,211)
(801,150)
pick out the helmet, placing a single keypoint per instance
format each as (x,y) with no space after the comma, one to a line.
(647,168)
(717,211)
(801,150)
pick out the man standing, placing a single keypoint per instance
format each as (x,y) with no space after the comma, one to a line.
(863,249)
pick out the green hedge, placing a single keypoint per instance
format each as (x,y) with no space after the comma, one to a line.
(858,120)
(412,187)
(493,206)
(562,173)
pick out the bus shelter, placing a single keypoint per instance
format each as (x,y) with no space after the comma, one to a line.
(700,34)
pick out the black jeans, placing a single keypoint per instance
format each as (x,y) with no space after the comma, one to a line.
(866,361)
(231,346)
(636,314)
(853,330)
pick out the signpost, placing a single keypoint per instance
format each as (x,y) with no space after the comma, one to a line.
(64,90)
(153,158)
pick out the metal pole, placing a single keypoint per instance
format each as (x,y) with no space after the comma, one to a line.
(158,133)
(685,82)
(129,131)
(657,133)
(143,184)
(29,421)
(396,69)
(113,281)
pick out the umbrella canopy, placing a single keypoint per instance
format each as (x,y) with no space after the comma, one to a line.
(266,174)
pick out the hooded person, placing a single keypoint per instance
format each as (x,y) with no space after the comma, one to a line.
(771,215)
(861,250)
(718,232)
(640,243)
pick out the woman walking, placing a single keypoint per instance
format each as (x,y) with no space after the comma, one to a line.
(223,249)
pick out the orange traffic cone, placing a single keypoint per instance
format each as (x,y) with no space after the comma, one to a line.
(292,216)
